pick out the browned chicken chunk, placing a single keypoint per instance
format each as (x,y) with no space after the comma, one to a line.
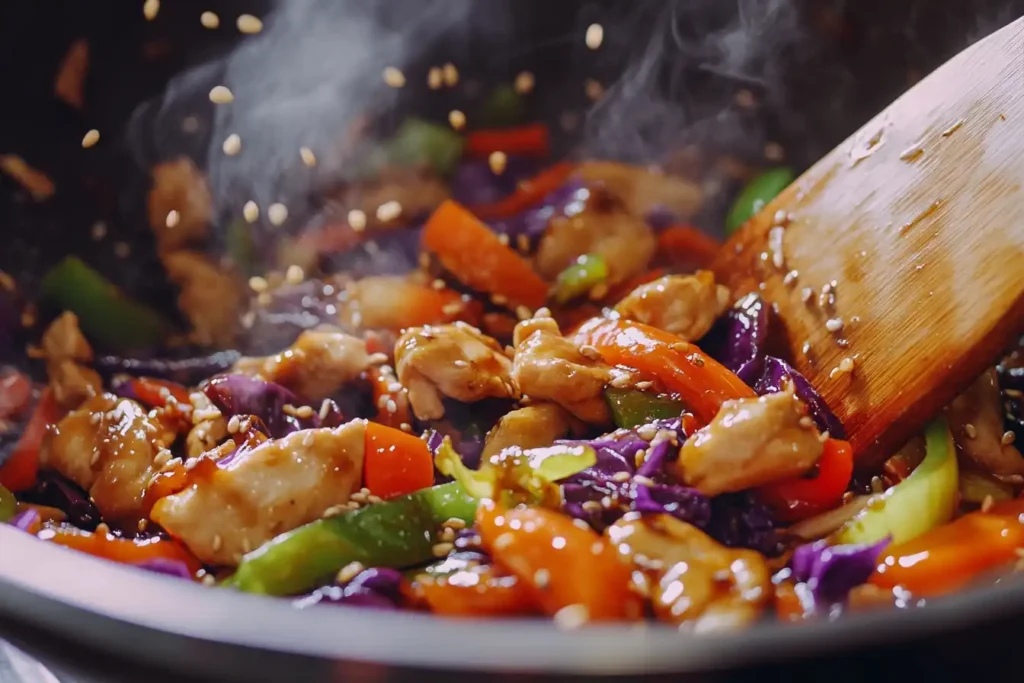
(976,420)
(66,351)
(643,190)
(179,187)
(275,487)
(107,447)
(529,427)
(684,305)
(210,297)
(549,367)
(752,441)
(692,579)
(455,360)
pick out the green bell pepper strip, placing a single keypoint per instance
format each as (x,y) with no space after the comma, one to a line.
(417,142)
(631,408)
(240,246)
(924,500)
(503,107)
(8,505)
(589,271)
(104,312)
(756,195)
(398,533)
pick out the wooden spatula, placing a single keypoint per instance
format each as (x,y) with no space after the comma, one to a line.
(901,253)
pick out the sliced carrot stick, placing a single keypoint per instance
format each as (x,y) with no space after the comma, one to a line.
(529,140)
(528,193)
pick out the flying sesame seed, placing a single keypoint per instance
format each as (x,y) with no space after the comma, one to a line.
(209,20)
(173,218)
(308,158)
(524,82)
(277,213)
(497,161)
(457,119)
(594,89)
(251,212)
(90,138)
(450,75)
(442,549)
(221,94)
(389,211)
(393,77)
(233,424)
(435,78)
(232,145)
(349,572)
(150,9)
(791,277)
(595,36)
(1008,438)
(189,124)
(357,220)
(970,430)
(571,617)
(249,24)
(122,250)
(294,275)
(217,542)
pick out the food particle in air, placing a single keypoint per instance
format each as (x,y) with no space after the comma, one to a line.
(232,145)
(209,20)
(524,82)
(308,158)
(277,213)
(249,24)
(90,138)
(221,94)
(594,36)
(394,77)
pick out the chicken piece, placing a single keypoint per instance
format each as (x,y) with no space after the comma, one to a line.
(455,360)
(320,362)
(179,186)
(752,441)
(976,421)
(691,577)
(398,302)
(530,427)
(603,227)
(209,428)
(107,447)
(644,189)
(684,305)
(210,297)
(412,191)
(549,367)
(66,349)
(275,487)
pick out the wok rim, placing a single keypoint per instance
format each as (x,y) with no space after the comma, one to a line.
(35,589)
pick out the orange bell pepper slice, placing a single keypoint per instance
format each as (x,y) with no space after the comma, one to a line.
(529,193)
(530,140)
(472,253)
(20,471)
(123,550)
(802,497)
(561,563)
(396,463)
(701,382)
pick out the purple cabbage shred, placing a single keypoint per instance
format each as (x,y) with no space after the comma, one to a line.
(831,572)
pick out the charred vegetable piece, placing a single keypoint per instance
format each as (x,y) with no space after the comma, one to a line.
(631,408)
(8,504)
(398,533)
(756,195)
(503,107)
(105,313)
(589,271)
(417,142)
(923,501)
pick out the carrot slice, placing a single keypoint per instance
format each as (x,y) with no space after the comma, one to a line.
(688,245)
(469,250)
(396,463)
(528,193)
(20,470)
(123,550)
(529,140)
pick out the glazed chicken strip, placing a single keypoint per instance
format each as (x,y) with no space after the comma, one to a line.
(976,420)
(107,447)
(750,442)
(549,367)
(273,488)
(318,364)
(684,305)
(209,428)
(457,361)
(691,577)
(530,427)
(66,349)
(602,227)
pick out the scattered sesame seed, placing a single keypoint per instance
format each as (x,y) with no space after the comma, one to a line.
(217,542)
(834,324)
(220,94)
(1008,438)
(233,424)
(209,20)
(257,284)
(503,238)
(646,385)
(393,77)
(523,313)
(457,119)
(442,549)
(308,439)
(450,75)
(406,427)
(294,275)
(987,503)
(595,36)
(389,211)
(642,480)
(307,156)
(970,430)
(773,151)
(791,277)
(90,138)
(806,295)
(846,365)
(249,24)
(620,476)
(232,145)
(122,250)
(95,457)
(593,89)
(497,161)
(277,213)
(435,78)
(350,571)
(455,523)
(590,352)
(357,220)
(98,230)
(523,243)
(806,422)
(572,617)
(524,82)
(541,578)
(150,9)
(173,218)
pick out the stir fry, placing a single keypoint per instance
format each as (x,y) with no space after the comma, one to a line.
(485,387)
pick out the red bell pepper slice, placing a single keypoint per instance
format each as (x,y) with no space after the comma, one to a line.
(529,193)
(20,470)
(529,140)
(801,497)
(396,462)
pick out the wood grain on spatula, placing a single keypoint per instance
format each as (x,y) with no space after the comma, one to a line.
(916,225)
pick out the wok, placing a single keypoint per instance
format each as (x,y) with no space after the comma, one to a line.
(817,69)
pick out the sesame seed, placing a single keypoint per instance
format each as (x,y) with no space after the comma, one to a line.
(209,20)
(406,427)
(442,549)
(377,358)
(499,299)
(646,385)
(1008,438)
(593,89)
(150,9)
(806,295)
(308,439)
(249,24)
(846,365)
(642,480)
(523,313)
(620,476)
(971,431)
(393,77)
(503,238)
(435,78)
(457,119)
(277,213)
(541,578)
(232,145)
(233,424)
(773,151)
(595,36)
(294,275)
(454,523)
(987,503)
(90,138)
(572,617)
(350,571)
(122,250)
(251,212)
(524,82)
(523,243)
(95,458)
(98,230)
(745,99)
(173,218)
(834,324)
(790,278)
(220,94)
(497,161)
(307,156)
(450,75)
(389,211)
(257,284)
(876,484)
(591,352)
(217,542)
(357,220)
